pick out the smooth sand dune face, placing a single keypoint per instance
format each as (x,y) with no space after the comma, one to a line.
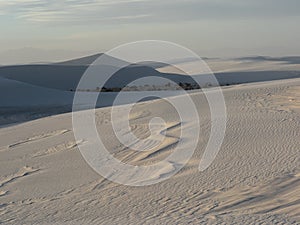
(234,65)
(254,179)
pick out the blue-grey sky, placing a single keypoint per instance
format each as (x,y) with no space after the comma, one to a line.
(222,28)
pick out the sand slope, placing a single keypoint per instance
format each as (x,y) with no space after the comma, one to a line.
(254,179)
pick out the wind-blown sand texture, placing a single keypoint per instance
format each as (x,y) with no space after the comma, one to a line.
(255,178)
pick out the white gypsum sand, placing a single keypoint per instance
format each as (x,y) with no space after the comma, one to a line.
(254,179)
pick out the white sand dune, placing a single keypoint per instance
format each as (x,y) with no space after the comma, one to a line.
(65,76)
(22,101)
(16,93)
(255,178)
(34,91)
(249,64)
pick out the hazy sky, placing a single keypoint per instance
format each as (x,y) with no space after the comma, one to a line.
(209,27)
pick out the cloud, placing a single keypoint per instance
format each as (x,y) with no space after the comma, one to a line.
(68,11)
(132,11)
